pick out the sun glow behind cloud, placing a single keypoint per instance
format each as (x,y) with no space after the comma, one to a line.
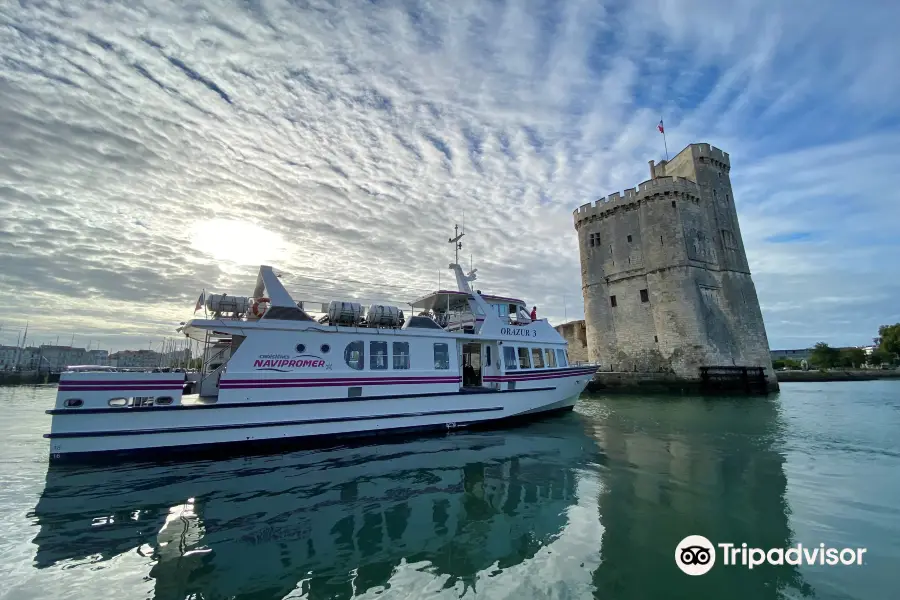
(238,242)
(355,137)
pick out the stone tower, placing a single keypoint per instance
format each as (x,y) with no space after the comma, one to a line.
(665,278)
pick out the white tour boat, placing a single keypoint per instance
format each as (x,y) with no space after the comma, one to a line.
(460,359)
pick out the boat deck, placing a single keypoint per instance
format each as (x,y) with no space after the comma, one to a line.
(195,399)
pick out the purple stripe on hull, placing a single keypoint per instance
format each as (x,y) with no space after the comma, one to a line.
(536,377)
(274,383)
(113,388)
(120,382)
(352,379)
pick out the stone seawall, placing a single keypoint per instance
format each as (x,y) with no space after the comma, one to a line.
(28,378)
(636,383)
(852,375)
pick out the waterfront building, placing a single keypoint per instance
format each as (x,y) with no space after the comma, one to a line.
(136,359)
(797,354)
(9,356)
(575,335)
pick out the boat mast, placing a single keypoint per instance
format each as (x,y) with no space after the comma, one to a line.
(458,244)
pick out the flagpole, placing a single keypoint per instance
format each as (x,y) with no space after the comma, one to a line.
(662,130)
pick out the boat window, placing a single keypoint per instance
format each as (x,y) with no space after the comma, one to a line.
(441,356)
(401,355)
(561,358)
(550,357)
(74,403)
(118,401)
(354,355)
(378,356)
(537,358)
(509,358)
(164,401)
(487,356)
(524,361)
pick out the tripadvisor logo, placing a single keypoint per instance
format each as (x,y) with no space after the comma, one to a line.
(696,555)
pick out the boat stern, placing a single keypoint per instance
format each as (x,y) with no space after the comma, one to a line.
(84,391)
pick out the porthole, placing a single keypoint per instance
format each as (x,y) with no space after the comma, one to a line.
(164,401)
(118,401)
(325,348)
(301,348)
(74,402)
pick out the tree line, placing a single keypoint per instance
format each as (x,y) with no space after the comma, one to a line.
(823,356)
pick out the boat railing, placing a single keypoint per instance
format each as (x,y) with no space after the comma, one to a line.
(459,321)
(111,369)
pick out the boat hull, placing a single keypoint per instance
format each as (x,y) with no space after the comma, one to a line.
(151,434)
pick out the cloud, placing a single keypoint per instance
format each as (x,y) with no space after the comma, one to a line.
(349,140)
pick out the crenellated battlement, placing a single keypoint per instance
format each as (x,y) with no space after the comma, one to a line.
(632,197)
(713,153)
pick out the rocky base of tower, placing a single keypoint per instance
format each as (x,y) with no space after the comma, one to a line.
(621,382)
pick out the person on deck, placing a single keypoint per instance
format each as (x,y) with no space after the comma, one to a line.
(534,313)
(468,373)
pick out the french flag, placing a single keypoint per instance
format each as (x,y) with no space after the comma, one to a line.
(660,127)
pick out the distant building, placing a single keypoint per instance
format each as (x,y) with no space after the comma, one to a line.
(29,358)
(797,354)
(48,357)
(135,359)
(9,357)
(800,354)
(176,358)
(217,354)
(97,357)
(576,335)
(58,358)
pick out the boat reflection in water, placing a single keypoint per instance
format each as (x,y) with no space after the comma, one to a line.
(333,523)
(592,503)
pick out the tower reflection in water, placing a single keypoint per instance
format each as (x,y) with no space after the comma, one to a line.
(333,523)
(688,466)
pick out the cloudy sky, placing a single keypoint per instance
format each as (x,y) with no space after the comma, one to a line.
(152,149)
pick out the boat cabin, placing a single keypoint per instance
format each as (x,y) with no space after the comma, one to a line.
(453,311)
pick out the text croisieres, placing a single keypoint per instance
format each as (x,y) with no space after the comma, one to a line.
(306,362)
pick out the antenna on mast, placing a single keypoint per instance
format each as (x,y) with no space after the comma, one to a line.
(457,244)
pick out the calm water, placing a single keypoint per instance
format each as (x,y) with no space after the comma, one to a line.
(590,504)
